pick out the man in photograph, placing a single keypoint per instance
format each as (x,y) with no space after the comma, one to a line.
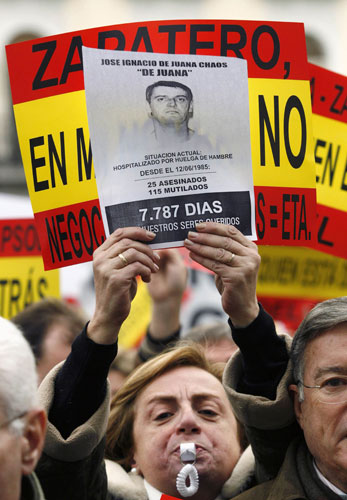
(171,107)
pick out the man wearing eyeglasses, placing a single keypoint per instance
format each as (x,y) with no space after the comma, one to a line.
(315,465)
(319,356)
(22,420)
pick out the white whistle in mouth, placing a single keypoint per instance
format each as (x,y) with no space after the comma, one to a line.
(187,454)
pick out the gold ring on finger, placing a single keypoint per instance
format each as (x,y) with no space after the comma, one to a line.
(123,259)
(231,258)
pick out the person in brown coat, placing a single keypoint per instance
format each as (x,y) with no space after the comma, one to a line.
(315,465)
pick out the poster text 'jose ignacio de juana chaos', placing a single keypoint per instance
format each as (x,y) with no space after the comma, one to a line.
(47,85)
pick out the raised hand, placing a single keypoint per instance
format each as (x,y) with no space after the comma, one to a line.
(116,263)
(235,261)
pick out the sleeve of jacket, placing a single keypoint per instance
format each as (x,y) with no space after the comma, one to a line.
(150,346)
(270,424)
(73,468)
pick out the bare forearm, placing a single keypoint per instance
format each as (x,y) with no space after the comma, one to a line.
(165,319)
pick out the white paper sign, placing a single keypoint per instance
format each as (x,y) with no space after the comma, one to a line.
(171,141)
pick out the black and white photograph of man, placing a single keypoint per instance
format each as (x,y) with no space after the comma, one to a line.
(171,107)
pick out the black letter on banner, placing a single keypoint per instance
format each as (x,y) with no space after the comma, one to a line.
(76,42)
(53,156)
(194,44)
(14,296)
(343,182)
(318,159)
(38,83)
(37,162)
(235,47)
(6,236)
(78,251)
(20,238)
(340,89)
(172,30)
(260,204)
(274,140)
(276,50)
(286,216)
(118,35)
(30,231)
(83,215)
(303,220)
(63,236)
(295,200)
(87,159)
(142,35)
(331,163)
(321,230)
(96,213)
(53,239)
(41,284)
(294,102)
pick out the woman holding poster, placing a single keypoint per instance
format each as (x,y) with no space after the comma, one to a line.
(173,400)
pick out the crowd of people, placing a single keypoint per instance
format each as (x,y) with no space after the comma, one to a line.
(270,423)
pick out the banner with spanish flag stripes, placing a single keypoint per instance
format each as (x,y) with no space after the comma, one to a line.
(22,277)
(46,77)
(329,105)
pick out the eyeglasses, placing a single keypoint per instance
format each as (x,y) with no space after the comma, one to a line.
(8,422)
(332,390)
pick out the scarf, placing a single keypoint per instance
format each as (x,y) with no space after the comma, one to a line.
(313,487)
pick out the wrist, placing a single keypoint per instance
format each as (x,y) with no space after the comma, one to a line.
(165,320)
(244,317)
(102,332)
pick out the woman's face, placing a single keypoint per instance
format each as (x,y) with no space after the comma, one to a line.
(186,404)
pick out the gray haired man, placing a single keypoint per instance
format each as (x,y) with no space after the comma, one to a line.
(315,465)
(319,356)
(22,420)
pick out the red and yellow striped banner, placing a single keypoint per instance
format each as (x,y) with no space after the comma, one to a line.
(329,104)
(22,277)
(46,77)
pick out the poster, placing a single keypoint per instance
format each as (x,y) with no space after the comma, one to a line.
(171,141)
(329,104)
(291,282)
(22,277)
(46,77)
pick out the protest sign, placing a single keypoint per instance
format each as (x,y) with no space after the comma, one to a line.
(291,282)
(301,273)
(329,104)
(171,142)
(46,77)
(22,277)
